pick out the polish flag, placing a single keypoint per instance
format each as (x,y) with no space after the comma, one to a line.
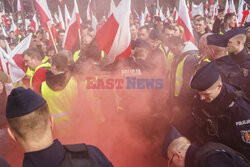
(14,28)
(240,10)
(112,7)
(46,19)
(206,8)
(175,14)
(67,16)
(5,19)
(227,9)
(5,41)
(189,10)
(168,13)
(89,11)
(19,6)
(27,23)
(114,36)
(14,64)
(185,22)
(245,16)
(216,7)
(146,14)
(34,24)
(61,22)
(72,32)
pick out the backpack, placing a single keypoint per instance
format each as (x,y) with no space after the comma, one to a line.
(77,155)
(211,147)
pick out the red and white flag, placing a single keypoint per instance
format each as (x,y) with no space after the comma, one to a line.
(175,14)
(34,24)
(14,28)
(61,22)
(5,19)
(67,16)
(19,6)
(227,9)
(240,10)
(168,13)
(89,11)
(114,36)
(185,22)
(216,7)
(112,7)
(146,13)
(206,8)
(13,63)
(246,16)
(72,31)
(163,18)
(46,19)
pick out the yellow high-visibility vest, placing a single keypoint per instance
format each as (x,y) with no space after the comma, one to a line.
(179,75)
(60,102)
(46,65)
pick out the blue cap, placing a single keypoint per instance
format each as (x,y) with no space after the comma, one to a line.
(205,77)
(171,135)
(22,101)
(222,40)
(217,40)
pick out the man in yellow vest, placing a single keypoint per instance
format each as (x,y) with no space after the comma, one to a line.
(182,69)
(33,60)
(60,91)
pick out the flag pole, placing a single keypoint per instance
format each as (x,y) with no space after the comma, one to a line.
(53,40)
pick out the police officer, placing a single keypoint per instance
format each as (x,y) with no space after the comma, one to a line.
(182,153)
(235,67)
(31,125)
(221,111)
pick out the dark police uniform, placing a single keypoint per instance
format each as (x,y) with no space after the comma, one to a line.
(234,69)
(227,118)
(54,155)
(214,158)
(209,155)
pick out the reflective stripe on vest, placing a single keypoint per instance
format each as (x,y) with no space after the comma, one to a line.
(60,102)
(168,58)
(179,77)
(47,65)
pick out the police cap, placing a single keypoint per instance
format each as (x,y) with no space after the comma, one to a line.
(22,101)
(222,40)
(205,77)
(171,135)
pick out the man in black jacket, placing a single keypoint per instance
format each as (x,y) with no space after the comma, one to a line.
(31,125)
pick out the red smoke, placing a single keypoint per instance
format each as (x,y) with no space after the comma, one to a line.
(127,125)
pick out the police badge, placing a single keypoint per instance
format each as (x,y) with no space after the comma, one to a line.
(245,135)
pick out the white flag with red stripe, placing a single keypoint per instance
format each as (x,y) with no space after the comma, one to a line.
(206,8)
(175,14)
(185,22)
(240,10)
(17,68)
(67,16)
(61,22)
(34,24)
(72,31)
(112,7)
(14,28)
(19,6)
(227,9)
(114,36)
(89,11)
